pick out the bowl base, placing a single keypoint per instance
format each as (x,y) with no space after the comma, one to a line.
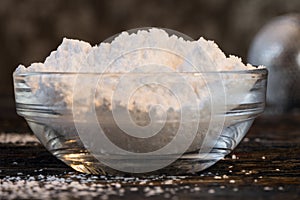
(188,163)
(69,149)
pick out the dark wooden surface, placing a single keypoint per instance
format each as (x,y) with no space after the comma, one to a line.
(266,165)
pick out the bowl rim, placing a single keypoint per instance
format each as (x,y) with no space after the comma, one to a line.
(256,70)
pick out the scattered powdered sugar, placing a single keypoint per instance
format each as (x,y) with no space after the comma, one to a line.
(17,138)
(41,183)
(74,185)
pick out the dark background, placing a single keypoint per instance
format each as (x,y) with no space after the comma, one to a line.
(30,29)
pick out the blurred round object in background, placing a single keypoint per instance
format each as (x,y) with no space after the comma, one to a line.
(277,46)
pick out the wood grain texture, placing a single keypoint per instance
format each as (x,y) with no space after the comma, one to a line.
(266,165)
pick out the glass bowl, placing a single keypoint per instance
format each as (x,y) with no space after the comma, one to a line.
(97,124)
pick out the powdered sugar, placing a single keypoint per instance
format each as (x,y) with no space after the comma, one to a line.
(76,66)
(125,53)
(74,55)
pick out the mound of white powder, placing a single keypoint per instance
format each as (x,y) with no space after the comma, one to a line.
(74,55)
(125,54)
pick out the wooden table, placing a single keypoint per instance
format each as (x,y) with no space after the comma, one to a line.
(266,165)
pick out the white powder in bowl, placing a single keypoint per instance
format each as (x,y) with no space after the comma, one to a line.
(126,53)
(78,56)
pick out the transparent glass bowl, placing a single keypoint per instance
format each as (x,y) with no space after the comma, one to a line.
(47,101)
